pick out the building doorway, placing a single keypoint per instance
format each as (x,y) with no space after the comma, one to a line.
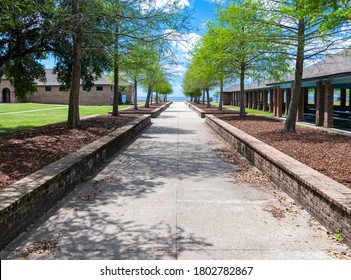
(6,97)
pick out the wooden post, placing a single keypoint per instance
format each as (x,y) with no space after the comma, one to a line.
(288,99)
(329,105)
(342,99)
(320,92)
(265,100)
(271,99)
(301,109)
(279,102)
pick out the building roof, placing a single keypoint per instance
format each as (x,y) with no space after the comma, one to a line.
(236,88)
(51,80)
(336,68)
(336,64)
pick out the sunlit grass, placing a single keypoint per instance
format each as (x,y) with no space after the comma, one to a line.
(17,117)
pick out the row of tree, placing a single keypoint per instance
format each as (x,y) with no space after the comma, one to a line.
(266,40)
(88,38)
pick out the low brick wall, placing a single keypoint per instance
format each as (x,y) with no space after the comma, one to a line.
(327,200)
(154,113)
(26,200)
(202,113)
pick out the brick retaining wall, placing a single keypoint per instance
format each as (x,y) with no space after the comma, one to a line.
(26,200)
(327,200)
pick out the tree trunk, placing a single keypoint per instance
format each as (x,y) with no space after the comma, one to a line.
(208,97)
(156,97)
(115,75)
(135,94)
(290,122)
(149,93)
(220,106)
(203,96)
(242,92)
(73,105)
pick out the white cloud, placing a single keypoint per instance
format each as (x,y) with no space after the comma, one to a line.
(183,42)
(163,3)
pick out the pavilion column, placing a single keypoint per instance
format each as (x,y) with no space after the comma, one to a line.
(329,105)
(301,108)
(253,102)
(349,99)
(265,100)
(249,99)
(275,101)
(320,92)
(259,99)
(288,99)
(246,99)
(271,97)
(305,102)
(342,99)
(238,99)
(280,97)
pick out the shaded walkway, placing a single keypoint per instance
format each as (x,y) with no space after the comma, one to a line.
(169,196)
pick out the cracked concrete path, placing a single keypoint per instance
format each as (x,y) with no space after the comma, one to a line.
(168,195)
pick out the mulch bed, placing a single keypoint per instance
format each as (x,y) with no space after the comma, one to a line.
(212,108)
(152,107)
(25,152)
(327,153)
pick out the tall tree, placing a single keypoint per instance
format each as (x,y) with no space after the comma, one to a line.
(244,45)
(26,32)
(310,29)
(132,64)
(26,27)
(163,87)
(145,21)
(80,49)
(153,74)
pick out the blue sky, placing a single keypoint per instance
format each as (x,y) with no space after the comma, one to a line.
(203,10)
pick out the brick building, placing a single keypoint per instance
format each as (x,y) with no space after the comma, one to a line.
(7,93)
(52,92)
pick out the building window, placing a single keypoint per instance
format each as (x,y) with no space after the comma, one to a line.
(47,88)
(62,88)
(99,88)
(86,88)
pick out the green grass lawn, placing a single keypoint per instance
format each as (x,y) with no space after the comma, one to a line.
(16,117)
(248,111)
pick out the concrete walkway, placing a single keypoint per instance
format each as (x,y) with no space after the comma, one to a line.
(169,196)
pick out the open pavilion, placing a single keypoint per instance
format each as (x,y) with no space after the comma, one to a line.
(324,97)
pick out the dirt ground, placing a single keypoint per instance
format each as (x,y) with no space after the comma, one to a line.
(25,152)
(327,153)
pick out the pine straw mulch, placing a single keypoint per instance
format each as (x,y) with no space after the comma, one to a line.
(327,153)
(25,152)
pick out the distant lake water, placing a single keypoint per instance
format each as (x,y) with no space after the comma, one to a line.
(169,98)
